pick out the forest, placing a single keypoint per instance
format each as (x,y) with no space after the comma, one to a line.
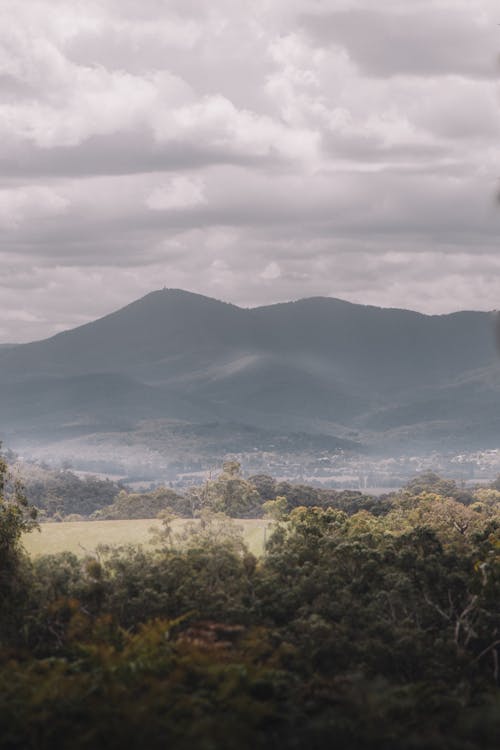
(62,495)
(360,627)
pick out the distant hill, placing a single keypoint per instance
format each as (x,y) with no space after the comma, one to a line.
(318,366)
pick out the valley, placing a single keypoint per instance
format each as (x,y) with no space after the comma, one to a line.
(174,381)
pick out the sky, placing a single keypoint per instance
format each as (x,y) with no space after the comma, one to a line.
(255,151)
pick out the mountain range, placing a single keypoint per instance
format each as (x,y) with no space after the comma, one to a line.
(352,374)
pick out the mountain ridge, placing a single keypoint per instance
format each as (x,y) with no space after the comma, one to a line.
(313,365)
(183,293)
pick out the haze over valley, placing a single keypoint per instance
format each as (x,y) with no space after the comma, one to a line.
(176,380)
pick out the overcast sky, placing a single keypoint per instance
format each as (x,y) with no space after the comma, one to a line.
(252,150)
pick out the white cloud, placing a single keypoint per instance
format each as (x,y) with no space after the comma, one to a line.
(271,272)
(215,122)
(19,205)
(180,192)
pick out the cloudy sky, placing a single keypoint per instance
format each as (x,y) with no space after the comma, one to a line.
(255,151)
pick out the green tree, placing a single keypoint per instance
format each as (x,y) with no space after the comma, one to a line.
(142,504)
(275,509)
(265,486)
(231,494)
(17,517)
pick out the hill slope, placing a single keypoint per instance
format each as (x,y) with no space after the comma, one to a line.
(318,365)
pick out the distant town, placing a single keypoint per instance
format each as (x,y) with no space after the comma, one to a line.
(338,470)
(372,475)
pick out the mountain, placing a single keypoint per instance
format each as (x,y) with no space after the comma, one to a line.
(318,366)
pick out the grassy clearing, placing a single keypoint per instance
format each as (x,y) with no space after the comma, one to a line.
(83,537)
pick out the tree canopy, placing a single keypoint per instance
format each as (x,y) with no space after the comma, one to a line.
(354,630)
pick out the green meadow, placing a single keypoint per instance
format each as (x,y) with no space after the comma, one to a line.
(82,537)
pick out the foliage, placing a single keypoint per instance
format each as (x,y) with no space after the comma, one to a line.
(65,493)
(228,493)
(141,505)
(275,509)
(355,630)
(17,517)
(429,481)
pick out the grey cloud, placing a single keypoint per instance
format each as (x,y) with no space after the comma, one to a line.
(351,153)
(121,153)
(233,64)
(367,205)
(12,90)
(372,149)
(410,41)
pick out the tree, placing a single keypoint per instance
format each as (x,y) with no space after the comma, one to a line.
(276,509)
(265,486)
(142,505)
(17,517)
(231,494)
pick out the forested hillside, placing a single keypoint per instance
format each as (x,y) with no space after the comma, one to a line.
(63,493)
(318,366)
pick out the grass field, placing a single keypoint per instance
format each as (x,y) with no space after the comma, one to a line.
(83,537)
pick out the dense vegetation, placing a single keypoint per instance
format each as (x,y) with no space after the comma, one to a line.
(63,495)
(58,494)
(355,630)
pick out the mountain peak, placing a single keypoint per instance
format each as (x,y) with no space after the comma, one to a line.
(176,293)
(312,360)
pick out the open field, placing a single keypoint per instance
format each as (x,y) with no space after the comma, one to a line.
(82,537)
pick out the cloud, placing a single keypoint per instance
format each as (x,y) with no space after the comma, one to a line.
(215,121)
(29,204)
(180,192)
(431,40)
(255,151)
(271,272)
